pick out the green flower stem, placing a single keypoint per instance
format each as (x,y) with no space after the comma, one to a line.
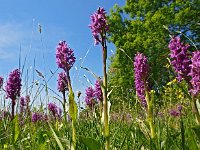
(13,109)
(105,100)
(196,112)
(194,104)
(74,134)
(150,113)
(100,108)
(72,110)
(64,107)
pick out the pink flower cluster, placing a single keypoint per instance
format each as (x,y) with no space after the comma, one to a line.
(62,82)
(184,66)
(176,112)
(195,72)
(37,117)
(92,95)
(99,25)
(13,86)
(141,69)
(180,58)
(55,110)
(64,56)
(98,92)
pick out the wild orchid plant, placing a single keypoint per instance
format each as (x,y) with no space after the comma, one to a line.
(186,67)
(13,88)
(94,96)
(141,71)
(55,110)
(99,27)
(90,97)
(195,81)
(63,87)
(99,95)
(65,60)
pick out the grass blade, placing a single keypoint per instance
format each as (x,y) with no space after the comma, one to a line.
(56,137)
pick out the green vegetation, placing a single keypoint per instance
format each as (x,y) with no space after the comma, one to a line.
(144,26)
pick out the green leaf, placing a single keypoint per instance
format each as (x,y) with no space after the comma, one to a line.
(73,110)
(97,78)
(182,134)
(193,143)
(16,130)
(57,139)
(198,105)
(90,72)
(196,130)
(42,147)
(41,138)
(126,135)
(90,143)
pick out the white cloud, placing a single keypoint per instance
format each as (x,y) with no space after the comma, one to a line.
(10,34)
(14,35)
(10,37)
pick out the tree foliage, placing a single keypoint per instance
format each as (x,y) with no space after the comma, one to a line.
(144,26)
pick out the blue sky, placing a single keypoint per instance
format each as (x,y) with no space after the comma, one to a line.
(60,20)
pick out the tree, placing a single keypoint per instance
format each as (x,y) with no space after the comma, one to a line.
(144,26)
